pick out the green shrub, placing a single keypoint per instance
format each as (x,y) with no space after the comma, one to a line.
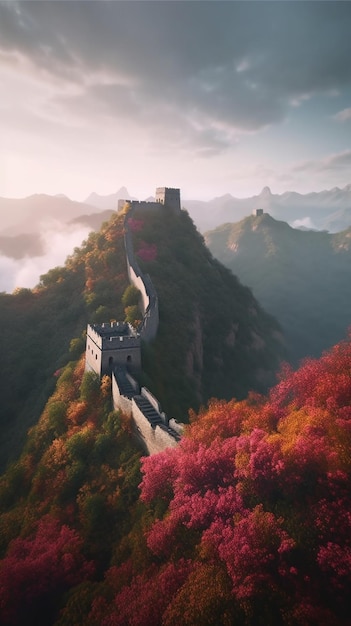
(90,387)
(133,315)
(131,296)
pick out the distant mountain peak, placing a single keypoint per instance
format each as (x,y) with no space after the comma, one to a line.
(123,191)
(226,196)
(266,192)
(110,201)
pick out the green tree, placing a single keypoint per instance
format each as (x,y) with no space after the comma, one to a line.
(133,315)
(76,347)
(131,296)
(90,387)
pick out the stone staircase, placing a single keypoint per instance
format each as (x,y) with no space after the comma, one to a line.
(148,410)
(125,387)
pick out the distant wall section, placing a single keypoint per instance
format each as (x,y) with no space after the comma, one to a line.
(148,296)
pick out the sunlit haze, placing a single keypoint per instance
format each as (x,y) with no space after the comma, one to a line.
(58,240)
(211,97)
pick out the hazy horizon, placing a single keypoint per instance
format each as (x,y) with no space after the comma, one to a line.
(221,193)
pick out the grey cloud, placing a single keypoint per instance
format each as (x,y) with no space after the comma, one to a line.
(337,161)
(334,162)
(201,66)
(102,100)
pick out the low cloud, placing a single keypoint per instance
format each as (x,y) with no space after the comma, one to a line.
(305,222)
(344,115)
(59,242)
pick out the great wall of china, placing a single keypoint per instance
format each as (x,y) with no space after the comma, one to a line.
(114,348)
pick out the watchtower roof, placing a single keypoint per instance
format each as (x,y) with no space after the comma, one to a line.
(114,329)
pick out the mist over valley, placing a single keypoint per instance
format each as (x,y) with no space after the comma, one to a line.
(39,232)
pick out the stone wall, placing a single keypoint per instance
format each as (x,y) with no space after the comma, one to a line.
(169,197)
(153,401)
(178,427)
(153,437)
(148,297)
(120,402)
(113,354)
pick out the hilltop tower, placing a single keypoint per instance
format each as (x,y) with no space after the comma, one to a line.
(111,344)
(169,197)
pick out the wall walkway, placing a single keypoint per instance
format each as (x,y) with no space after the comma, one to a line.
(150,423)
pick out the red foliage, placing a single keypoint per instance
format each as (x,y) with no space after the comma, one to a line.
(263,487)
(324,383)
(256,496)
(135,225)
(147,251)
(144,601)
(159,474)
(38,568)
(255,551)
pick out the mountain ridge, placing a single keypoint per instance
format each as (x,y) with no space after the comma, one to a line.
(25,215)
(110,201)
(300,276)
(221,351)
(317,207)
(330,208)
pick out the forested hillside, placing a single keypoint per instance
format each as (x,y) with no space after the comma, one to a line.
(246,522)
(329,209)
(301,277)
(43,328)
(214,340)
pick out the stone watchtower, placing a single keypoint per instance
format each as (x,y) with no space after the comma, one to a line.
(111,344)
(169,197)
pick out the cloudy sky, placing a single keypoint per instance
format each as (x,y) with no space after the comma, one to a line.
(213,97)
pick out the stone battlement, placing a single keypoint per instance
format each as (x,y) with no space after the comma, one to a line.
(107,335)
(166,196)
(112,344)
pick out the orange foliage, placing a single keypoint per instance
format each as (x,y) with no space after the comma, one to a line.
(77,412)
(204,598)
(105,387)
